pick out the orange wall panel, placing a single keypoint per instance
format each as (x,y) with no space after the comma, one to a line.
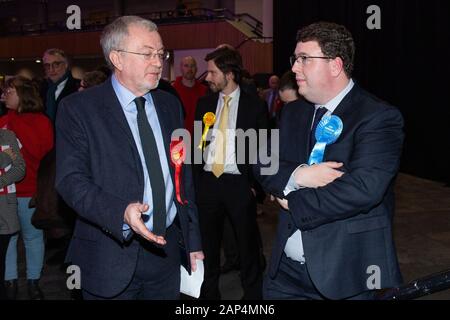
(257,57)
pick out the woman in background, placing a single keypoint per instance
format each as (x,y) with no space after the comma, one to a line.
(35,133)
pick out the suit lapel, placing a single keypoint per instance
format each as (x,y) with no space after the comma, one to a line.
(345,107)
(306,121)
(347,104)
(343,111)
(115,110)
(241,113)
(210,106)
(68,89)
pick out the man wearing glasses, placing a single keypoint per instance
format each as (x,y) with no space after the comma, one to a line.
(114,170)
(60,82)
(334,239)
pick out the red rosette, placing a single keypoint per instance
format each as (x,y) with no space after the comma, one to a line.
(177,157)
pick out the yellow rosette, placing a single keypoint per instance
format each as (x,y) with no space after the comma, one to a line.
(208,119)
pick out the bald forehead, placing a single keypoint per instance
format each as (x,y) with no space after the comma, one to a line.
(274,79)
(189,61)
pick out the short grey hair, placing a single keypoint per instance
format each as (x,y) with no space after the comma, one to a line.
(56,51)
(115,32)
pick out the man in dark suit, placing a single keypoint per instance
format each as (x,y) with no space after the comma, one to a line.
(223,182)
(114,169)
(272,98)
(60,82)
(334,238)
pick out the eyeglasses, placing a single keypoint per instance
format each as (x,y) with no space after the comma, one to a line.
(304,60)
(54,65)
(163,56)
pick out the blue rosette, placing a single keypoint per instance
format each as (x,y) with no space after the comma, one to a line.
(327,132)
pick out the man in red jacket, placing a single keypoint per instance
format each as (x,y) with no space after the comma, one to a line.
(189,89)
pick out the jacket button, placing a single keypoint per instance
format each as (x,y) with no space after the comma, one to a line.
(290,226)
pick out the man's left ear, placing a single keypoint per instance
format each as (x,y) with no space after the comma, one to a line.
(229,76)
(337,66)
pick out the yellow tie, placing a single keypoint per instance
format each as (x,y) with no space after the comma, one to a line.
(221,144)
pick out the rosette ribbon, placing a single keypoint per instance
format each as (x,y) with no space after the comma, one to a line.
(327,132)
(177,157)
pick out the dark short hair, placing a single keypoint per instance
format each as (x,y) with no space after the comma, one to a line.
(227,60)
(288,81)
(334,41)
(28,93)
(93,78)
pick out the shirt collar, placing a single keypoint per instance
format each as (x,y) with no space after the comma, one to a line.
(62,83)
(233,95)
(333,103)
(125,96)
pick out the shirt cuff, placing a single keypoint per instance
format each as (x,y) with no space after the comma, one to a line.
(292,185)
(126,230)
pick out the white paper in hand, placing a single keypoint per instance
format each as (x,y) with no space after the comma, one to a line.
(191,284)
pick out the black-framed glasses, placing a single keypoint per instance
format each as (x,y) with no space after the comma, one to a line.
(304,59)
(54,65)
(163,56)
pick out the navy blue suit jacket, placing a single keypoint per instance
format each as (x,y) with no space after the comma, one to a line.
(347,225)
(99,172)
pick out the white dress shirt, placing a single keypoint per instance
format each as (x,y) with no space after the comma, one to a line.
(60,88)
(230,166)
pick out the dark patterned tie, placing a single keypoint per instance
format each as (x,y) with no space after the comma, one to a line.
(154,169)
(318,115)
